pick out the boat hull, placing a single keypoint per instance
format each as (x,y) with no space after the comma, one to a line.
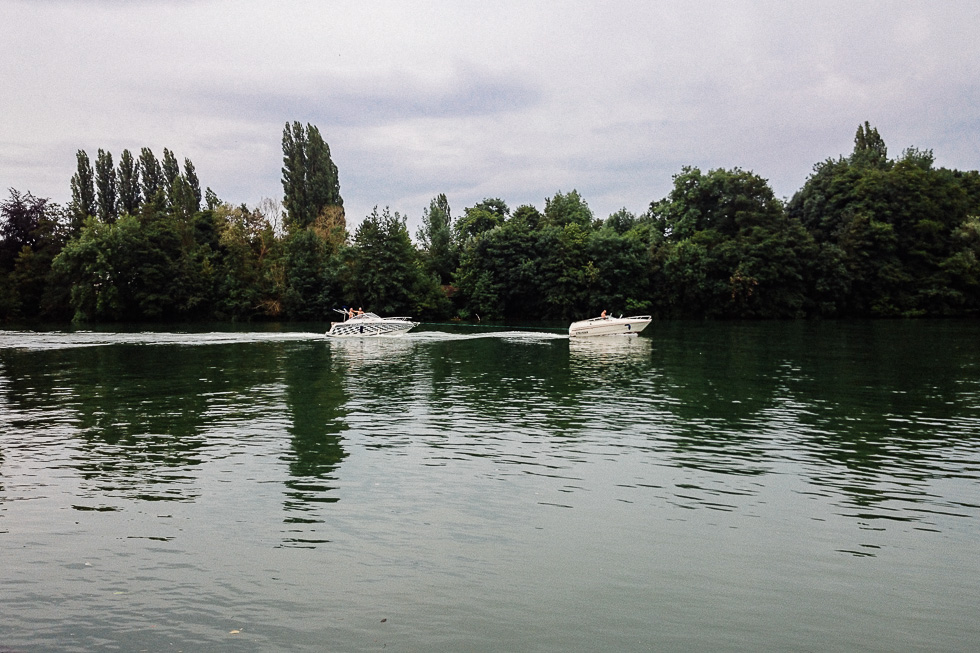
(365,329)
(609,326)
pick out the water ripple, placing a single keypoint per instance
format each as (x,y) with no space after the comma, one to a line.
(203,477)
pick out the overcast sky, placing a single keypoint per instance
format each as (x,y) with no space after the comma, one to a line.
(516,100)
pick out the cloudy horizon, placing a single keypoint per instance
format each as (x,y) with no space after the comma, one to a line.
(518,100)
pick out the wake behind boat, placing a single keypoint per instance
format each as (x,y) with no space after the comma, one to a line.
(359,325)
(606,325)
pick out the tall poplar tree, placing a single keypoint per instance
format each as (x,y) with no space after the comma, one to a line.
(193,183)
(309,177)
(82,192)
(869,147)
(105,184)
(128,186)
(171,175)
(151,176)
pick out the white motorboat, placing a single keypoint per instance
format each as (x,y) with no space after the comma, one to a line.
(607,325)
(361,325)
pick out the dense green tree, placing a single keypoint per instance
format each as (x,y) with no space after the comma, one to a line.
(127,184)
(165,261)
(895,225)
(494,205)
(98,285)
(693,276)
(137,268)
(820,205)
(435,236)
(106,189)
(163,277)
(776,273)
(873,264)
(82,191)
(722,200)
(20,219)
(247,266)
(568,208)
(726,248)
(527,215)
(387,275)
(623,263)
(312,276)
(41,293)
(913,156)
(865,236)
(960,288)
(9,298)
(563,267)
(621,221)
(498,274)
(483,216)
(32,232)
(566,272)
(310,180)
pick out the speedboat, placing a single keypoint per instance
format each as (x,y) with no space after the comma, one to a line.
(607,325)
(370,324)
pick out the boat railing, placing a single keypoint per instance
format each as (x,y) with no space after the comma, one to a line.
(613,317)
(367,315)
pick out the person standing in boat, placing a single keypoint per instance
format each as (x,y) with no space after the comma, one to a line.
(603,316)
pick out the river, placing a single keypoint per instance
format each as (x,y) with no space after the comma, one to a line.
(787,486)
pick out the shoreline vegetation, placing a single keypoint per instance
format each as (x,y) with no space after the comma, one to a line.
(866,237)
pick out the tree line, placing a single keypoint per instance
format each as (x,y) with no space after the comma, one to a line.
(866,236)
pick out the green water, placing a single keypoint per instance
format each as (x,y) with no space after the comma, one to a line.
(722,487)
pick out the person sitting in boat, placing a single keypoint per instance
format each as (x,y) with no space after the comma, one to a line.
(603,316)
(350,312)
(360,311)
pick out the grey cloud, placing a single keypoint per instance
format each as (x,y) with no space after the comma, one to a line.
(335,100)
(517,102)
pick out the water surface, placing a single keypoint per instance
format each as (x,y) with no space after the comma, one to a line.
(738,487)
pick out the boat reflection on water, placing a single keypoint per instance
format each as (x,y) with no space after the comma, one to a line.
(609,357)
(375,372)
(355,353)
